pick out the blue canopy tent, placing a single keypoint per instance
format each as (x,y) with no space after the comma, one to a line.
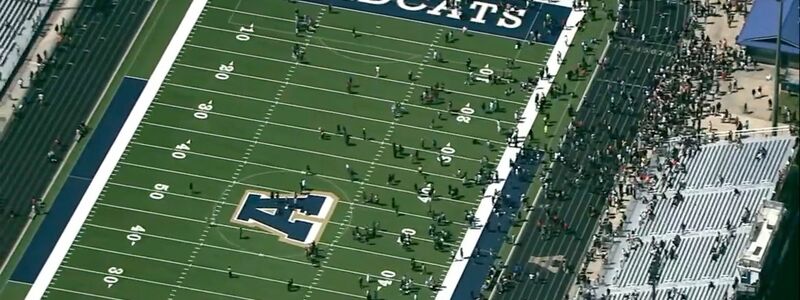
(761,30)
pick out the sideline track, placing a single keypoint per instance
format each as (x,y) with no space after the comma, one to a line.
(40,247)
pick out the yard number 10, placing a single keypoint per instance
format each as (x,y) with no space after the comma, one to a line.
(244,33)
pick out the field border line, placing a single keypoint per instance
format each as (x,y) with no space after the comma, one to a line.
(470,241)
(115,153)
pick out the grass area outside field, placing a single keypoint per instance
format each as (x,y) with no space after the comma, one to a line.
(792,103)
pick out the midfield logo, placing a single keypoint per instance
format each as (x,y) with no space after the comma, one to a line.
(297,221)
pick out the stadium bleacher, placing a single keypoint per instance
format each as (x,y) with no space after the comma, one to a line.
(728,161)
(694,292)
(703,211)
(692,261)
(685,245)
(19,20)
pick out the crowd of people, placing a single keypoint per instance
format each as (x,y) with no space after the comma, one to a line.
(680,96)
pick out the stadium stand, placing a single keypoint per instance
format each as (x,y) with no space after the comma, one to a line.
(694,292)
(19,22)
(684,235)
(724,163)
(702,211)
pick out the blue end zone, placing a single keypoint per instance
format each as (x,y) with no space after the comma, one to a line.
(482,16)
(78,181)
(493,236)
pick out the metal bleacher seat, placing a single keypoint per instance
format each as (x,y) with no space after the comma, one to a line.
(19,21)
(13,14)
(707,208)
(728,160)
(703,211)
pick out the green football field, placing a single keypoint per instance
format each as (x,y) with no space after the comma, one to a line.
(238,113)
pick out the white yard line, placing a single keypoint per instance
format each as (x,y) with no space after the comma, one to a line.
(470,241)
(263,165)
(294,171)
(314,130)
(120,143)
(261,278)
(240,251)
(148,189)
(84,294)
(386,140)
(204,244)
(518,104)
(126,277)
(370,76)
(337,113)
(337,50)
(375,35)
(278,146)
(261,187)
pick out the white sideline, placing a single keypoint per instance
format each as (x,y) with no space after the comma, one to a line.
(484,210)
(115,153)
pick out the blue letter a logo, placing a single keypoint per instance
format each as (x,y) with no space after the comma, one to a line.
(298,221)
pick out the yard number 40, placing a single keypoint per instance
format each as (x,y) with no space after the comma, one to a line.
(181,149)
(136,234)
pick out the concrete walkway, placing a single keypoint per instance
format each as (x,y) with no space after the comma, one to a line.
(44,45)
(759,112)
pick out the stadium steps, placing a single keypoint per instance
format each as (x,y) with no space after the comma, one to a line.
(728,160)
(693,262)
(700,291)
(704,211)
